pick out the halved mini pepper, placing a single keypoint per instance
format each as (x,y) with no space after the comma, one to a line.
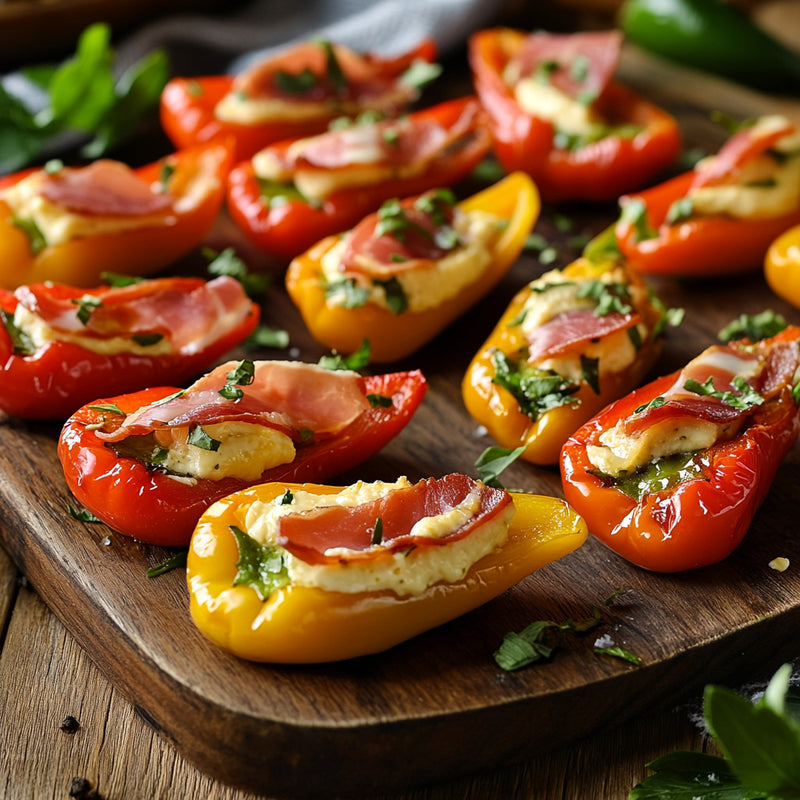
(671,476)
(568,344)
(619,141)
(300,622)
(70,224)
(364,296)
(295,93)
(116,452)
(62,347)
(782,266)
(352,170)
(721,217)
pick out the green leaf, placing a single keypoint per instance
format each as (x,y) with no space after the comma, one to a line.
(618,652)
(260,566)
(199,438)
(346,293)
(108,408)
(116,280)
(175,561)
(421,73)
(81,514)
(602,247)
(23,344)
(518,650)
(691,776)
(228,263)
(264,336)
(761,744)
(754,327)
(355,361)
(379,401)
(746,399)
(634,212)
(493,460)
(396,299)
(36,239)
(242,375)
(86,305)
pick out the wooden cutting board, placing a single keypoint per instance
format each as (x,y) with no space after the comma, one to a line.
(438,706)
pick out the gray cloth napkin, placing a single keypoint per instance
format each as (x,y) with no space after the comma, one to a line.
(204,44)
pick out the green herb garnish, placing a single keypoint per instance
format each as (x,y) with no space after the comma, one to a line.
(175,561)
(494,460)
(355,361)
(228,263)
(746,399)
(199,438)
(36,239)
(264,336)
(241,375)
(86,305)
(754,327)
(21,341)
(261,566)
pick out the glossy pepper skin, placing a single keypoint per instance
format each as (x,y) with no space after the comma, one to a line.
(782,266)
(61,376)
(494,407)
(188,106)
(395,336)
(299,624)
(598,171)
(702,246)
(140,251)
(290,227)
(700,520)
(153,507)
(714,36)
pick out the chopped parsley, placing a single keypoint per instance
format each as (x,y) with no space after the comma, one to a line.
(199,438)
(241,375)
(261,566)
(36,239)
(355,361)
(346,292)
(634,212)
(535,390)
(86,305)
(753,327)
(228,263)
(747,398)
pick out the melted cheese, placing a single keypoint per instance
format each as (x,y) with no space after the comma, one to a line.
(41,334)
(405,573)
(622,453)
(441,280)
(544,101)
(245,451)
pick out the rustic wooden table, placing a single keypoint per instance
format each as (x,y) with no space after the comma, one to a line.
(67,731)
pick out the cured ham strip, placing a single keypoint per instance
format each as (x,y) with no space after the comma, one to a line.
(292,396)
(575,64)
(188,312)
(741,148)
(720,363)
(365,76)
(415,245)
(573,330)
(104,188)
(311,535)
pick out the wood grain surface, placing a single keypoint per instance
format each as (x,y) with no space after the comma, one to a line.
(437,707)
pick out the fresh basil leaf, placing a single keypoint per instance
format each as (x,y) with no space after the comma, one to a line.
(754,327)
(493,460)
(242,375)
(86,305)
(21,341)
(261,566)
(421,73)
(355,361)
(346,293)
(108,408)
(333,68)
(175,561)
(287,498)
(36,239)
(147,339)
(117,281)
(691,776)
(518,650)
(746,399)
(379,401)
(82,514)
(761,744)
(618,652)
(590,372)
(199,438)
(228,263)
(535,390)
(634,212)
(264,336)
(394,295)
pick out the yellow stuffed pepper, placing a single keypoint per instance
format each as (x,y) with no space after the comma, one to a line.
(304,573)
(782,266)
(568,344)
(406,272)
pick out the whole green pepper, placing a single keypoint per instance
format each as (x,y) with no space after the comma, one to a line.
(715,36)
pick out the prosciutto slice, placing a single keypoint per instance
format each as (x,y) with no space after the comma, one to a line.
(310,535)
(290,396)
(576,64)
(188,312)
(104,188)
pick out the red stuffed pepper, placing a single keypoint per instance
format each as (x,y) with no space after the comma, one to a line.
(71,224)
(297,92)
(149,463)
(556,113)
(721,217)
(61,347)
(671,476)
(293,194)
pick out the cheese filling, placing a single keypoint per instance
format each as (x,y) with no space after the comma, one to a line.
(245,451)
(765,186)
(41,334)
(544,101)
(434,282)
(409,572)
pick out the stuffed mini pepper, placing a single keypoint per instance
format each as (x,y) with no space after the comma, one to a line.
(294,193)
(556,113)
(149,463)
(71,224)
(297,92)
(404,273)
(721,217)
(293,573)
(671,476)
(569,343)
(62,347)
